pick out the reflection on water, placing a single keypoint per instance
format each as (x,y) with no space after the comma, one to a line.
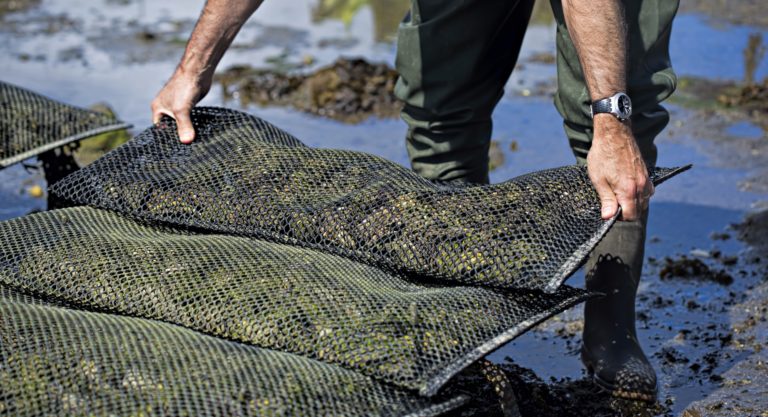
(10,6)
(542,13)
(387,14)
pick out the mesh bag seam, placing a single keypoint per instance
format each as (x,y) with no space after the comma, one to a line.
(104,184)
(573,263)
(5,163)
(11,93)
(431,373)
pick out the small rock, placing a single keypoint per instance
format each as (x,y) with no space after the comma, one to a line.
(35,191)
(700,253)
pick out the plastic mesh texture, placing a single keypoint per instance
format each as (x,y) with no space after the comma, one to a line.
(31,124)
(60,361)
(244,176)
(408,333)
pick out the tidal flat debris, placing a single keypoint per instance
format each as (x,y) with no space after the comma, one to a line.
(495,156)
(693,269)
(349,90)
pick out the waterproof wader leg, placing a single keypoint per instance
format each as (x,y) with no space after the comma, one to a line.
(454,58)
(610,347)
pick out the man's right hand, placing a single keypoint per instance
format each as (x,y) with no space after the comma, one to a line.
(176,100)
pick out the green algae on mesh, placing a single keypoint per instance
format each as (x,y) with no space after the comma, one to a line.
(57,361)
(465,250)
(22,128)
(260,293)
(528,232)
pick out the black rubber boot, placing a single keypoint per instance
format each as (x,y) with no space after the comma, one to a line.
(610,349)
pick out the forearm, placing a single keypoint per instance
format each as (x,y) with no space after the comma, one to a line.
(598,31)
(217,27)
(614,163)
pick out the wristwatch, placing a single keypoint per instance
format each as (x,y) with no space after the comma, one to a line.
(618,105)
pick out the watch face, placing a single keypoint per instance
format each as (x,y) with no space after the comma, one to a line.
(624,106)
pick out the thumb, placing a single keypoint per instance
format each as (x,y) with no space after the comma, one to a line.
(608,203)
(186,130)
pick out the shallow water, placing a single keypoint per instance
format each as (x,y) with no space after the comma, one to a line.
(84,52)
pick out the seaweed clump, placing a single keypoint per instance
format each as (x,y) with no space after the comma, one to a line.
(688,268)
(349,90)
(751,96)
(532,396)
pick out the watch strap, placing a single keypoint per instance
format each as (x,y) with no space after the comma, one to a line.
(601,106)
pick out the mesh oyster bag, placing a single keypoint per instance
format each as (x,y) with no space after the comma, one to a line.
(244,176)
(408,333)
(31,124)
(56,360)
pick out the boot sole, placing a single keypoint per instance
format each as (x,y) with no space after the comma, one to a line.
(611,387)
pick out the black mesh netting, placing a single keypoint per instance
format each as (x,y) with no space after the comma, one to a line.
(59,361)
(298,300)
(246,177)
(31,124)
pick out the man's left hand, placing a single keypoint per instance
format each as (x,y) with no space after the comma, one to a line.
(617,170)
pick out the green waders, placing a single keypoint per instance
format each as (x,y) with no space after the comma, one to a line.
(454,58)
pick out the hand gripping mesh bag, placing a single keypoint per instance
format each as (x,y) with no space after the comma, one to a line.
(31,124)
(246,177)
(405,332)
(56,360)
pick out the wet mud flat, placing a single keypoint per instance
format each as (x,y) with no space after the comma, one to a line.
(705,337)
(742,12)
(731,115)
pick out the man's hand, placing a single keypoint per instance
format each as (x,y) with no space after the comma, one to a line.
(217,27)
(176,100)
(614,163)
(617,170)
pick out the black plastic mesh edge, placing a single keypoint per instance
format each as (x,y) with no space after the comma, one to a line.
(436,382)
(11,295)
(578,258)
(5,163)
(441,408)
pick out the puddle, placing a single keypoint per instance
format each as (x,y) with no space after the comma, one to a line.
(746,130)
(699,49)
(121,52)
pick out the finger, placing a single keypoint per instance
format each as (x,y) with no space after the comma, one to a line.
(157,115)
(608,203)
(647,194)
(184,123)
(629,206)
(157,112)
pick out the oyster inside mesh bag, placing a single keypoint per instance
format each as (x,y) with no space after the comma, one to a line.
(244,176)
(31,124)
(293,299)
(63,361)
